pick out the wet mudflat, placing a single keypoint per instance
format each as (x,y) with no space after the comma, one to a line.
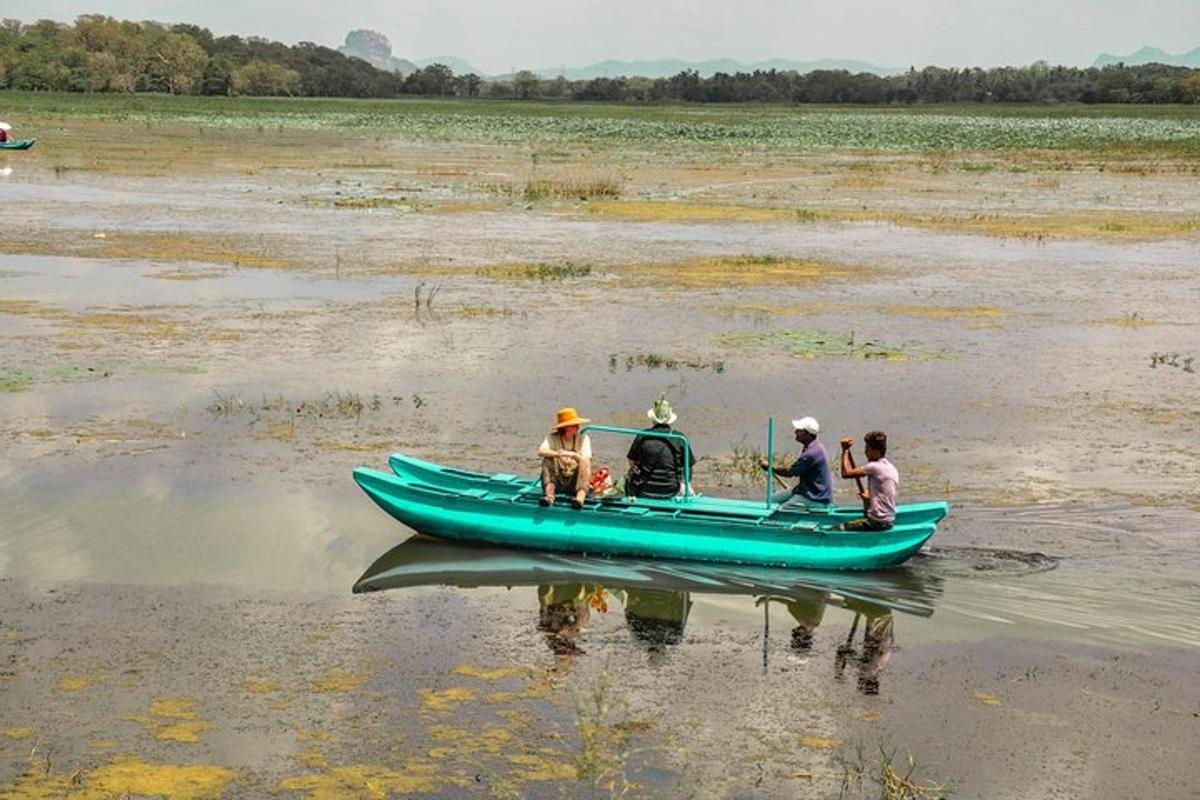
(200,336)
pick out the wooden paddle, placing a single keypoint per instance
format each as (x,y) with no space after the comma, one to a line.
(858,481)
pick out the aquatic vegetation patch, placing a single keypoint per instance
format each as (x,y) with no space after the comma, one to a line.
(1180,361)
(794,310)
(826,344)
(16,733)
(15,379)
(723,128)
(498,673)
(186,274)
(483,312)
(445,699)
(127,776)
(401,204)
(334,404)
(943,313)
(312,757)
(535,272)
(986,698)
(75,374)
(173,720)
(581,188)
(116,320)
(1131,319)
(744,271)
(606,735)
(884,779)
(533,767)
(338,681)
(362,782)
(692,211)
(741,462)
(77,683)
(170,369)
(186,247)
(260,685)
(1101,224)
(819,742)
(652,361)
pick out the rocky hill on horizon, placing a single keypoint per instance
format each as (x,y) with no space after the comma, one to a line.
(374,48)
(1151,55)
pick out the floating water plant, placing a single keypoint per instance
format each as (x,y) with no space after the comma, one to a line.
(15,379)
(538,272)
(1175,360)
(570,188)
(660,361)
(817,344)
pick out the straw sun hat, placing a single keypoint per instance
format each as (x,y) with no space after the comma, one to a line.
(567,417)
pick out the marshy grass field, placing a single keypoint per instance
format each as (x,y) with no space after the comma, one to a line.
(211,310)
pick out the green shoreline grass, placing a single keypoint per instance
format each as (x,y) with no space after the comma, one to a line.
(1133,129)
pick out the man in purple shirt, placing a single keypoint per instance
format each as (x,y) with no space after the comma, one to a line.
(814,484)
(883,483)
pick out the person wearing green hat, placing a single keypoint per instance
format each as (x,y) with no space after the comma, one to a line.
(655,462)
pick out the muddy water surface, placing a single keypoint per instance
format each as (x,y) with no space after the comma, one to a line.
(193,359)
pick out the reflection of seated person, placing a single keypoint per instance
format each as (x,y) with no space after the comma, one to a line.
(808,613)
(656,462)
(657,617)
(562,613)
(807,608)
(877,645)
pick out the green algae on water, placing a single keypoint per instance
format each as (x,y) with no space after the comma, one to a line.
(819,344)
(15,379)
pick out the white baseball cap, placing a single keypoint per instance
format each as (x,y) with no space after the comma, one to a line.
(807,424)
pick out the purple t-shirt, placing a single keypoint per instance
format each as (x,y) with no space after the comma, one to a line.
(882,482)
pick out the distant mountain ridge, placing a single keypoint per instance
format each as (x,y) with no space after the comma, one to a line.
(1151,55)
(664,68)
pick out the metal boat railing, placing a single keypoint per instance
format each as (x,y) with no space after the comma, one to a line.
(686,490)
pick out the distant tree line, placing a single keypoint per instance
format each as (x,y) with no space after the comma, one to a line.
(101,54)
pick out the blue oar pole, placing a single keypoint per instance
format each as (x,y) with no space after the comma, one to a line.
(770,456)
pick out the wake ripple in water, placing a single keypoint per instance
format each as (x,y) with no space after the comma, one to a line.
(964,561)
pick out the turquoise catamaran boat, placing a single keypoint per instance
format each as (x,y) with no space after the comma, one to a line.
(502,509)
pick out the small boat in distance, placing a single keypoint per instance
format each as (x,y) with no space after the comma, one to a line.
(502,509)
(18,144)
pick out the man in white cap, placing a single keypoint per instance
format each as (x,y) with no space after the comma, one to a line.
(814,480)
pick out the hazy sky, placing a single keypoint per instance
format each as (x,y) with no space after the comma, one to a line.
(496,36)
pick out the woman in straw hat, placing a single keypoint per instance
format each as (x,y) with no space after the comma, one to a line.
(566,459)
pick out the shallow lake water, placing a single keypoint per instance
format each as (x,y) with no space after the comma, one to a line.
(192,364)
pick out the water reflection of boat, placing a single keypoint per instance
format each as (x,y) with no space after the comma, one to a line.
(503,510)
(657,595)
(425,561)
